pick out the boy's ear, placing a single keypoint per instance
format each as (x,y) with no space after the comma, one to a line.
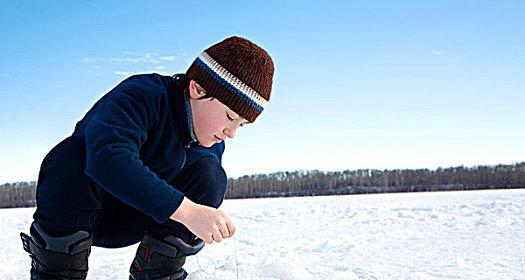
(194,93)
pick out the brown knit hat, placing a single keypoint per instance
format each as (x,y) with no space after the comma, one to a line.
(238,73)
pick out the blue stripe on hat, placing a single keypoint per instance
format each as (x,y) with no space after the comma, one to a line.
(228,85)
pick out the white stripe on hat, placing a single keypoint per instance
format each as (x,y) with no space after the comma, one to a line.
(232,80)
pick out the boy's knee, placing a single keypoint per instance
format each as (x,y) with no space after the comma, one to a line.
(204,182)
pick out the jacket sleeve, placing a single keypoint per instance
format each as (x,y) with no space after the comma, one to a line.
(114,136)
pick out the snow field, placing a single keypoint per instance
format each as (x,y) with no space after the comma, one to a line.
(439,235)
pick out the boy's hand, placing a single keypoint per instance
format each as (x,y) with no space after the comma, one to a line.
(206,222)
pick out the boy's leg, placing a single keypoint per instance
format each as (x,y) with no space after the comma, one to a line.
(68,207)
(120,225)
(163,251)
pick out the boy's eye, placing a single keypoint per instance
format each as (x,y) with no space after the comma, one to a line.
(231,119)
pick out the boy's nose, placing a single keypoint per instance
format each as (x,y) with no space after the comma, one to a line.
(230,132)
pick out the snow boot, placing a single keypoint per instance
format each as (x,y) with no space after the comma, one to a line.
(162,259)
(57,258)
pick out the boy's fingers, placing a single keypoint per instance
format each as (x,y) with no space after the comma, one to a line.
(231,227)
(224,232)
(208,239)
(217,236)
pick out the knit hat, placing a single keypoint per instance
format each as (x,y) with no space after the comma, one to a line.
(238,73)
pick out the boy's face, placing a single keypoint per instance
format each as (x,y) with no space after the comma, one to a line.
(212,120)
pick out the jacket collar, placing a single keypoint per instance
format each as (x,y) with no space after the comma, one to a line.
(181,113)
(189,117)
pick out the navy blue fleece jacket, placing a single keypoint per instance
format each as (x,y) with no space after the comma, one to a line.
(138,137)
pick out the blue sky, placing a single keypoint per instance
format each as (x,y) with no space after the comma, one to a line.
(358,84)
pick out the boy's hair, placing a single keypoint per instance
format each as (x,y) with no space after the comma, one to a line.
(238,73)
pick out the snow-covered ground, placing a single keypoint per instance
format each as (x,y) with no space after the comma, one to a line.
(440,235)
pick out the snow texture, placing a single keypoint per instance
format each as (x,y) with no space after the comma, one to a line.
(439,235)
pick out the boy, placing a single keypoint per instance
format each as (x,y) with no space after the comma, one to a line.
(144,164)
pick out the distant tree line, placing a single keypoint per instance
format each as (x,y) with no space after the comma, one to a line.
(314,182)
(362,181)
(19,194)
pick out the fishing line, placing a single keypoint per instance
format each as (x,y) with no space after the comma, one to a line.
(201,269)
(215,266)
(235,254)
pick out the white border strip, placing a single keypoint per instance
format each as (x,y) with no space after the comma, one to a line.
(234,81)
